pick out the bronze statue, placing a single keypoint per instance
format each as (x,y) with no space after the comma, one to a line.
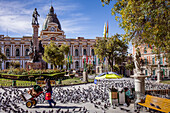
(35,15)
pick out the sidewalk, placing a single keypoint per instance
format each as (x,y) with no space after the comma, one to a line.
(90,108)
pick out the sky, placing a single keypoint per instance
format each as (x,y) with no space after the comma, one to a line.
(78,18)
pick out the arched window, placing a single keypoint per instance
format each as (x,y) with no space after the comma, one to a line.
(77,65)
(145,50)
(17,52)
(84,52)
(26,52)
(76,52)
(92,52)
(7,52)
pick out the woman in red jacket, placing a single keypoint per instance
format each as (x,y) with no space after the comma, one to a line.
(49,90)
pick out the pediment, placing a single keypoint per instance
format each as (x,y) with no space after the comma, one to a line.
(54,37)
(53,27)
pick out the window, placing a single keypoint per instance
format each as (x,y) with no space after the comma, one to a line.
(164,60)
(146,72)
(84,52)
(153,72)
(145,50)
(163,71)
(17,52)
(26,52)
(77,65)
(145,61)
(161,62)
(153,60)
(7,52)
(92,52)
(76,52)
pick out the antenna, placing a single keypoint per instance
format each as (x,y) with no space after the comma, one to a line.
(51,2)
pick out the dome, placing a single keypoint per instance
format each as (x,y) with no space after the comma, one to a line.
(51,17)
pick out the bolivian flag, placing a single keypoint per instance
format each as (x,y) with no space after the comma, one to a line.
(104,33)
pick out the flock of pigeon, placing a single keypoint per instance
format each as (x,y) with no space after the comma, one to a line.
(98,95)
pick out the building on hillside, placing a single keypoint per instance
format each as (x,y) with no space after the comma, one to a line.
(17,48)
(149,62)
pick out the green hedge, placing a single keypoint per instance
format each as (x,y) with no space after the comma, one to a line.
(26,77)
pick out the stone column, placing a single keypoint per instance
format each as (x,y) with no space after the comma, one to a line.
(158,71)
(35,36)
(139,81)
(101,69)
(85,76)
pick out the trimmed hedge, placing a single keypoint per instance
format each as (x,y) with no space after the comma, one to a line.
(55,76)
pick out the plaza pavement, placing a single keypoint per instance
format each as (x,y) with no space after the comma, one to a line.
(64,107)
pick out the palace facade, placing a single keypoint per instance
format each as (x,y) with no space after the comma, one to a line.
(149,61)
(17,48)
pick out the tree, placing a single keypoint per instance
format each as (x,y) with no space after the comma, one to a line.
(54,54)
(15,64)
(145,21)
(113,49)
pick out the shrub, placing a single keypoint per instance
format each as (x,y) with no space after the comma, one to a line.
(25,73)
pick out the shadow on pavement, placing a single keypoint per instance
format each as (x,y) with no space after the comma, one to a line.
(62,107)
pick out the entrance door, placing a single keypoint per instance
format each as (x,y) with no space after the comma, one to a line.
(7,65)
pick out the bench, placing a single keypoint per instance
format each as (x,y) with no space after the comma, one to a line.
(41,82)
(156,103)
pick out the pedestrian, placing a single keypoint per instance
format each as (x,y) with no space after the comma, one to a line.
(127,96)
(49,92)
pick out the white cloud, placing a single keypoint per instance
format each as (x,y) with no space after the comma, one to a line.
(74,25)
(16,16)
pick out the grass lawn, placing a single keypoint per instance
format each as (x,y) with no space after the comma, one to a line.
(74,81)
(166,81)
(70,81)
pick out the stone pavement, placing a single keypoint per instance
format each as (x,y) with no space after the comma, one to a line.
(90,107)
(39,108)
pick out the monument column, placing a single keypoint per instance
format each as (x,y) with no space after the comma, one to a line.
(35,36)
(35,26)
(139,77)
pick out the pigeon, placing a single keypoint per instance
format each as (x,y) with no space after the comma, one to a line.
(57,111)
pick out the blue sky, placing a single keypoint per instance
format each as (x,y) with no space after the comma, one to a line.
(78,18)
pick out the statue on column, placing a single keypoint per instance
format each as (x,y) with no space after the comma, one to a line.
(35,17)
(137,61)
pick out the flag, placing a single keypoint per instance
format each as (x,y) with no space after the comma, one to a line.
(107,30)
(98,60)
(71,59)
(104,58)
(89,60)
(104,33)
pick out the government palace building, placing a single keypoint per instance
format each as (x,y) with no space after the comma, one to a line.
(17,48)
